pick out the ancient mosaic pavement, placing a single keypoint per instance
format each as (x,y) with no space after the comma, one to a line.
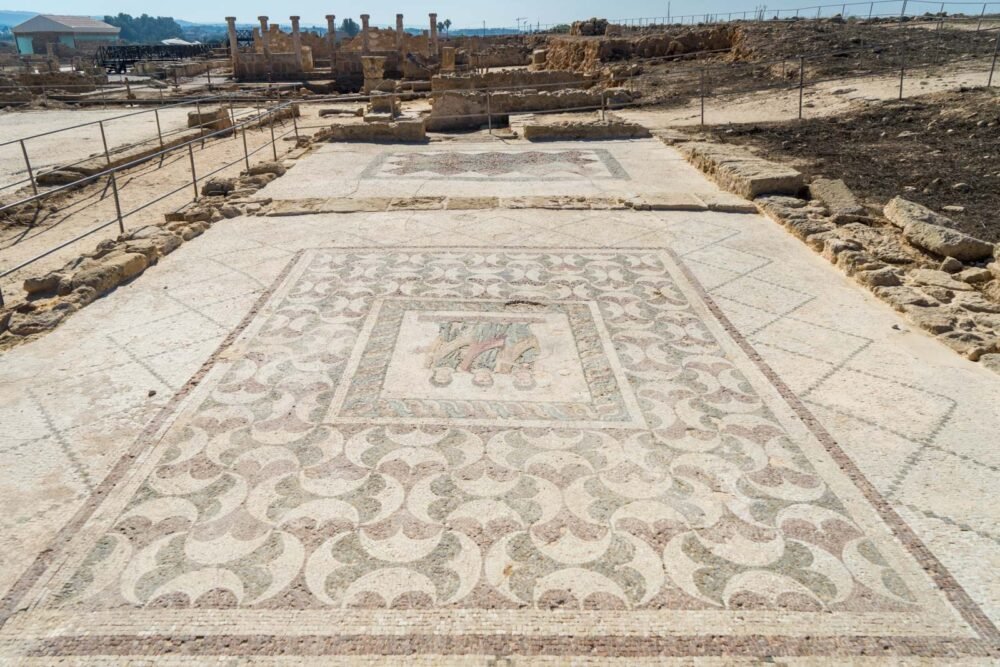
(522,165)
(485,452)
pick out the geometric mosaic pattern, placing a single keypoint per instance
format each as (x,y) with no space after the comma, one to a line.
(569,448)
(530,165)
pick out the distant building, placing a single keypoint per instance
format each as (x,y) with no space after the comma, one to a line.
(74,32)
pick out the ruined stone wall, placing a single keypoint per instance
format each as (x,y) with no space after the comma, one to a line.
(256,67)
(457,110)
(546,80)
(384,39)
(590,54)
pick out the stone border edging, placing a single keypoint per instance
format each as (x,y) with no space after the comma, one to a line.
(909,257)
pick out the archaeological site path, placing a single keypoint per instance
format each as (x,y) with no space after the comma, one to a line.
(511,434)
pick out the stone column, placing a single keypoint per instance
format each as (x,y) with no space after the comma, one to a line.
(331,41)
(234,52)
(365,46)
(296,42)
(399,32)
(265,41)
(432,41)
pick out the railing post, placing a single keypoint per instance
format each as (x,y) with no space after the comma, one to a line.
(104,140)
(194,175)
(802,78)
(274,147)
(159,129)
(31,174)
(993,65)
(246,153)
(118,206)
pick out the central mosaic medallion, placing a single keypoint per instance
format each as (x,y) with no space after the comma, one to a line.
(529,165)
(485,361)
(515,443)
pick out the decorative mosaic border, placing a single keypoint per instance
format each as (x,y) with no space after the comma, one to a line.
(615,170)
(248,640)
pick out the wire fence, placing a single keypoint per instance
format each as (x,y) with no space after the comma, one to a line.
(877,9)
(269,117)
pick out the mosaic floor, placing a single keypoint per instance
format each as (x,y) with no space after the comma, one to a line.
(494,169)
(533,165)
(567,452)
(496,437)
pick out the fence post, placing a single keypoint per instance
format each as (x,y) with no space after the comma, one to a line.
(104,140)
(993,65)
(979,25)
(246,153)
(118,206)
(489,111)
(31,174)
(703,97)
(802,78)
(295,125)
(194,175)
(871,8)
(209,78)
(902,71)
(159,129)
(274,147)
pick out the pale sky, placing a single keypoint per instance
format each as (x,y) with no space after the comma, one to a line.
(463,14)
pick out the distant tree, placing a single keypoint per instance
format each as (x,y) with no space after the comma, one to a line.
(562,28)
(349,27)
(446,25)
(145,29)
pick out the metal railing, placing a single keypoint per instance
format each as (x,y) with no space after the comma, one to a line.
(162,137)
(267,116)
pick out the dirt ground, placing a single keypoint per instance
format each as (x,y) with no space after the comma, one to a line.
(939,150)
(770,54)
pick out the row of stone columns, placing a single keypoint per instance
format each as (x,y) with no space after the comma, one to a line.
(331,32)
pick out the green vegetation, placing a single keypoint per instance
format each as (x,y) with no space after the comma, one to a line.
(350,27)
(145,29)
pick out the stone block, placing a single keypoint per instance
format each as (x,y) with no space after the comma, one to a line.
(836,196)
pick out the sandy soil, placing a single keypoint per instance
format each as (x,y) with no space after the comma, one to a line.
(93,205)
(79,143)
(828,98)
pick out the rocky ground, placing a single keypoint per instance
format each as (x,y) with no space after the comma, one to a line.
(942,151)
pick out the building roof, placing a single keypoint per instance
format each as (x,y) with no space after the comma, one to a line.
(67,24)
